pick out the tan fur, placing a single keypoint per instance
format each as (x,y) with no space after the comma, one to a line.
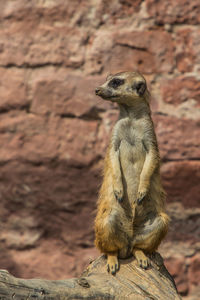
(131,217)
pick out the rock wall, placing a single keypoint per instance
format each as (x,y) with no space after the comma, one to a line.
(54,130)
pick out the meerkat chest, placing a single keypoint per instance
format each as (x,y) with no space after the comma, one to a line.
(130,140)
(132,133)
(132,149)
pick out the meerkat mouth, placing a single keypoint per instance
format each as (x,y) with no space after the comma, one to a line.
(106,97)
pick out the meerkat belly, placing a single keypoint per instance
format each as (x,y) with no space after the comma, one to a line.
(132,158)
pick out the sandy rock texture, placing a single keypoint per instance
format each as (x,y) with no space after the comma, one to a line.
(54,130)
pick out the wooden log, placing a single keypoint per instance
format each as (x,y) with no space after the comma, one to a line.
(131,282)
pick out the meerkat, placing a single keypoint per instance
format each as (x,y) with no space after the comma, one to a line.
(131,217)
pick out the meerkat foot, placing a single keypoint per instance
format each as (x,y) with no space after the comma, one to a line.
(142,260)
(112,264)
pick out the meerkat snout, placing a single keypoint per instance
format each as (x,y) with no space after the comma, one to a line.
(104,92)
(97,90)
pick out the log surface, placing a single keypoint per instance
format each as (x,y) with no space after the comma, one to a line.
(131,282)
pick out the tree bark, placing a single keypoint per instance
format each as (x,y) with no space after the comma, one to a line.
(131,282)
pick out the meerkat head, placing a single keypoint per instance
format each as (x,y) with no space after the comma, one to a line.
(124,87)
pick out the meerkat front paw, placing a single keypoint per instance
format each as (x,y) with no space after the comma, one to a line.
(141,195)
(118,192)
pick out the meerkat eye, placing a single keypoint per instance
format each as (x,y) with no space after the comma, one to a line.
(140,87)
(115,82)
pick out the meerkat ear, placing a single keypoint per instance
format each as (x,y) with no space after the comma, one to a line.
(109,77)
(140,87)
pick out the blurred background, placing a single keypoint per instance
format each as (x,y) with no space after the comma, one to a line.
(54,130)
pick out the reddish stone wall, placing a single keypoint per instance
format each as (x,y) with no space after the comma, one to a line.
(54,130)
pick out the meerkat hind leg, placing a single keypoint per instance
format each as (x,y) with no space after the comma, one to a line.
(149,237)
(142,260)
(112,263)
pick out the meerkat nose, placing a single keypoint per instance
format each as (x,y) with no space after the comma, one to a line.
(97,91)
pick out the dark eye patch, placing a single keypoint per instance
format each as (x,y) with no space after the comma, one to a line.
(140,87)
(115,82)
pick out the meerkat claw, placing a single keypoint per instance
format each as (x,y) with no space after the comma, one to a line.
(112,269)
(140,197)
(142,260)
(139,200)
(112,265)
(108,268)
(145,264)
(118,197)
